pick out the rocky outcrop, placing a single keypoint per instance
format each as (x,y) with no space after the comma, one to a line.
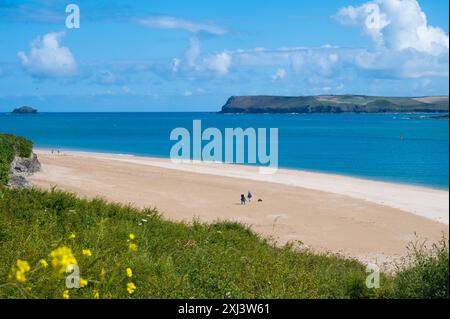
(21,168)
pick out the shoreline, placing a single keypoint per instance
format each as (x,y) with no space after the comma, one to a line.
(302,179)
(293,169)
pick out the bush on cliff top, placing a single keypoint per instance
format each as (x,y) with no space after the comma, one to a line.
(10,147)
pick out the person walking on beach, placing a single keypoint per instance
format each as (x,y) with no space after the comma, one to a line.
(249,196)
(243,200)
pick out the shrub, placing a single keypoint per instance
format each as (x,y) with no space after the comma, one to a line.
(10,147)
(425,273)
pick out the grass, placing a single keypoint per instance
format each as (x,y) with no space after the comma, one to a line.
(175,260)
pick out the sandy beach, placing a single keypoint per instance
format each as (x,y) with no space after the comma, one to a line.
(369,220)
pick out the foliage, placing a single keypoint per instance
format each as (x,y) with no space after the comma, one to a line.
(10,147)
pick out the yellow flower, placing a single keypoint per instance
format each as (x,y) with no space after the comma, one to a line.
(22,265)
(96,294)
(131,287)
(20,269)
(131,236)
(72,236)
(83,282)
(20,276)
(132,247)
(61,258)
(66,294)
(43,263)
(129,272)
(87,252)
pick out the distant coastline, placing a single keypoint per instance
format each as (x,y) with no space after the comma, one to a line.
(336,104)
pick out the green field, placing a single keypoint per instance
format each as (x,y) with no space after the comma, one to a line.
(124,252)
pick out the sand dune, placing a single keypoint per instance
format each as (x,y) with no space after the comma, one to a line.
(369,220)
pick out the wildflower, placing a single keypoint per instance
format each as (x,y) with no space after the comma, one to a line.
(72,236)
(131,236)
(43,263)
(20,276)
(131,287)
(61,258)
(129,272)
(87,252)
(66,294)
(132,247)
(22,265)
(83,282)
(20,269)
(96,294)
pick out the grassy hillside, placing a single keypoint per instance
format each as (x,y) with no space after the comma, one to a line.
(123,252)
(334,104)
(11,146)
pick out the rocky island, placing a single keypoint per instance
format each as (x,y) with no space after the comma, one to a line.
(24,110)
(335,104)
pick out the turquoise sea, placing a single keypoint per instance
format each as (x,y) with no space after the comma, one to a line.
(405,148)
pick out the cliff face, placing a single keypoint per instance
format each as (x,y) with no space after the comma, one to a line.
(334,104)
(21,168)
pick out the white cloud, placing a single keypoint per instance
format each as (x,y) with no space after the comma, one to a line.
(380,63)
(297,62)
(405,46)
(326,62)
(320,60)
(47,58)
(279,75)
(167,22)
(219,63)
(400,64)
(193,52)
(396,25)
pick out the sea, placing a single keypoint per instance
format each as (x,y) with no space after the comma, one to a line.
(402,148)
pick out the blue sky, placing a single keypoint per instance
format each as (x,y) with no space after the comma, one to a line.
(192,55)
